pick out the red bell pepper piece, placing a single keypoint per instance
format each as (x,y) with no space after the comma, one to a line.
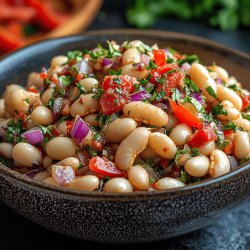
(159,57)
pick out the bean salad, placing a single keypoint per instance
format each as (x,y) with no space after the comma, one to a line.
(125,117)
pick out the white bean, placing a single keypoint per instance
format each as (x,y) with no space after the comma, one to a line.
(200,75)
(162,145)
(120,128)
(84,105)
(34,79)
(138,176)
(10,88)
(60,148)
(197,166)
(6,150)
(225,93)
(85,183)
(130,147)
(70,161)
(2,109)
(221,72)
(168,183)
(47,161)
(41,176)
(89,83)
(58,60)
(47,95)
(241,144)
(91,119)
(242,123)
(118,185)
(219,163)
(51,181)
(25,154)
(145,112)
(42,116)
(172,121)
(232,112)
(130,70)
(180,133)
(207,148)
(62,127)
(131,55)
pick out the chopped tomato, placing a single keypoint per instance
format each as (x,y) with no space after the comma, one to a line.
(228,132)
(202,136)
(229,148)
(178,55)
(55,132)
(159,56)
(164,69)
(69,125)
(44,75)
(105,167)
(111,104)
(185,115)
(245,102)
(32,90)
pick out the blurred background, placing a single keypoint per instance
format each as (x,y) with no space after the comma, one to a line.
(26,21)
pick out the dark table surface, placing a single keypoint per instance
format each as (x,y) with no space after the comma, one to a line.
(232,231)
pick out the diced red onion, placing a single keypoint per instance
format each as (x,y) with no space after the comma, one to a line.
(139,96)
(80,130)
(33,136)
(139,66)
(57,107)
(83,66)
(197,96)
(63,174)
(145,59)
(186,66)
(218,81)
(106,62)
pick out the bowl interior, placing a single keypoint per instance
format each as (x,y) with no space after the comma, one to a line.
(16,67)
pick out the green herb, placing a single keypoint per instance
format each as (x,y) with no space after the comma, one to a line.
(218,110)
(195,103)
(27,100)
(91,151)
(74,68)
(75,55)
(50,103)
(81,89)
(98,93)
(151,65)
(65,80)
(150,89)
(234,87)
(30,29)
(118,90)
(191,85)
(45,140)
(103,120)
(211,92)
(112,51)
(117,80)
(14,130)
(117,73)
(246,116)
(190,59)
(143,81)
(98,137)
(176,96)
(194,152)
(46,130)
(179,154)
(183,177)
(158,95)
(62,92)
(46,81)
(161,80)
(230,126)
(206,117)
(223,144)
(170,60)
(248,108)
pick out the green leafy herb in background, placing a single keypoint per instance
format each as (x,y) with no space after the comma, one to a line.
(228,15)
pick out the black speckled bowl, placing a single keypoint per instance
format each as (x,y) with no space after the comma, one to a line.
(135,217)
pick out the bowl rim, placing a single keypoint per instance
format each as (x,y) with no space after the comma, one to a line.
(176,192)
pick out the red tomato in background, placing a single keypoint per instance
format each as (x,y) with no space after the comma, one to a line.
(245,102)
(159,57)
(102,165)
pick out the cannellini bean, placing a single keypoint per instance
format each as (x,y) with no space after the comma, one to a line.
(120,128)
(60,148)
(91,119)
(242,123)
(197,166)
(34,79)
(232,112)
(58,60)
(168,183)
(138,176)
(85,183)
(148,113)
(148,152)
(130,70)
(70,161)
(207,148)
(41,176)
(172,121)
(130,147)
(2,110)
(89,83)
(219,163)
(180,133)
(200,75)
(162,145)
(221,72)
(84,105)
(25,154)
(63,174)
(42,116)
(54,70)
(6,150)
(51,181)
(131,55)
(183,159)
(118,185)
(47,95)
(47,161)
(224,93)
(10,88)
(241,144)
(62,127)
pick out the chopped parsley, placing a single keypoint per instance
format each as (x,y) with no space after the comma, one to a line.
(246,116)
(112,51)
(14,130)
(65,80)
(230,126)
(157,96)
(179,154)
(27,100)
(62,92)
(75,55)
(81,89)
(195,103)
(103,120)
(98,93)
(194,152)
(117,80)
(117,73)
(91,151)
(151,65)
(50,103)
(176,96)
(234,87)
(218,110)
(190,59)
(191,85)
(211,92)
(183,177)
